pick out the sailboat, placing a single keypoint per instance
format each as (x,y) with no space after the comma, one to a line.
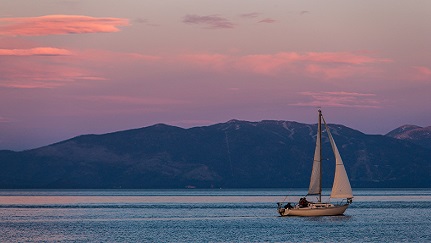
(341,188)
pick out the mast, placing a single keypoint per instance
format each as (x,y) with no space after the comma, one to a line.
(319,128)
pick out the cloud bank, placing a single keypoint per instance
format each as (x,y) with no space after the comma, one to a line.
(60,67)
(59,25)
(329,65)
(39,51)
(339,99)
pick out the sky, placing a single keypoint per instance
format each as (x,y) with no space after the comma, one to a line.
(71,67)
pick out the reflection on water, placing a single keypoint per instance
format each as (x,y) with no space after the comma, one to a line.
(207,215)
(67,197)
(323,220)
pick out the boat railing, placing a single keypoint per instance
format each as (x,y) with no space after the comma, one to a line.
(345,201)
(285,205)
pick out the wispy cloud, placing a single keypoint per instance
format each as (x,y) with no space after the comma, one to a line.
(250,15)
(145,22)
(209,21)
(49,69)
(421,73)
(59,25)
(341,57)
(339,99)
(38,51)
(118,99)
(325,65)
(45,72)
(45,80)
(267,21)
(141,20)
(5,120)
(255,15)
(46,67)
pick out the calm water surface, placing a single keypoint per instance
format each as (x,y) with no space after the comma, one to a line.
(207,215)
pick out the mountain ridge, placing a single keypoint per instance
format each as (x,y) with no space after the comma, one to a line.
(234,154)
(418,135)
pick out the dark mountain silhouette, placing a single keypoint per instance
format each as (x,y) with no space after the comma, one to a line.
(229,155)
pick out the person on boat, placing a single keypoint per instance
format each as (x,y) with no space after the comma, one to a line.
(303,202)
(288,206)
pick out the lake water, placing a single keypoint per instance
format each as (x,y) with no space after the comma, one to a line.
(385,215)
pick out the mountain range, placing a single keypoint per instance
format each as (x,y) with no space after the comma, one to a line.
(235,154)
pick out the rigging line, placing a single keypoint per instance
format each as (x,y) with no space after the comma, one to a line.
(284,200)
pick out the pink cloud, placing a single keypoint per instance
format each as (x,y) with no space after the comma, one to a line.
(118,99)
(5,120)
(421,73)
(267,20)
(106,56)
(328,64)
(341,57)
(325,65)
(266,64)
(39,51)
(53,67)
(326,71)
(90,65)
(339,99)
(29,85)
(59,25)
(44,72)
(210,21)
(44,79)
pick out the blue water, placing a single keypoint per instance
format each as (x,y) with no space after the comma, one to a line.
(192,215)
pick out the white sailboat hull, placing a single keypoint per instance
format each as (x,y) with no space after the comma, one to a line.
(321,209)
(341,188)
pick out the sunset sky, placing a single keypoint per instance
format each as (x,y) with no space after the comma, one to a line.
(70,67)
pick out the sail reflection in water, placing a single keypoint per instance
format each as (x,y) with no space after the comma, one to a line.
(206,215)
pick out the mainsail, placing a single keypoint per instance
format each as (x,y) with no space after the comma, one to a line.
(341,187)
(316,173)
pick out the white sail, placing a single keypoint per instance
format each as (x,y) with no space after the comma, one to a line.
(315,179)
(341,187)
